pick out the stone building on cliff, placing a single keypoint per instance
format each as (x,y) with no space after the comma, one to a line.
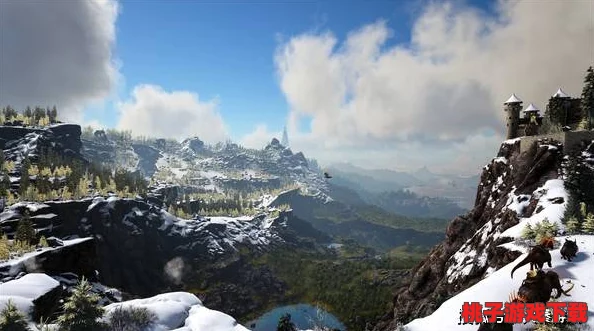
(562,112)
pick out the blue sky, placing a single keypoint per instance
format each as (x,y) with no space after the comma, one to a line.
(225,49)
(382,84)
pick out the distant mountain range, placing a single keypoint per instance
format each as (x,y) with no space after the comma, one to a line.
(419,193)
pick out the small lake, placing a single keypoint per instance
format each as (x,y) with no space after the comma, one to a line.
(304,316)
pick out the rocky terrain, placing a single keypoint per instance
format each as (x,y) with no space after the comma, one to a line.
(95,235)
(194,167)
(513,186)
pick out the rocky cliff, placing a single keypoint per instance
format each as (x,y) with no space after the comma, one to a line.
(510,187)
(156,247)
(62,139)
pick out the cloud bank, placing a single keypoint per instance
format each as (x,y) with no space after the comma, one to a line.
(433,100)
(154,112)
(57,53)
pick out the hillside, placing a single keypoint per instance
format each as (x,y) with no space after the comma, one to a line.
(201,171)
(419,193)
(516,189)
(206,225)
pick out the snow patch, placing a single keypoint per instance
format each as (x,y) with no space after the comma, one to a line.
(498,286)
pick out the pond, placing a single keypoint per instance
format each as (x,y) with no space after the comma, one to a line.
(304,316)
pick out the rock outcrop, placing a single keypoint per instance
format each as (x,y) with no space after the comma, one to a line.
(36,293)
(470,248)
(157,249)
(18,142)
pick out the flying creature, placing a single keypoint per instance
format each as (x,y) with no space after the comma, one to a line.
(327,175)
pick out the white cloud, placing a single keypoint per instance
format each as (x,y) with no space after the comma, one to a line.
(259,137)
(154,112)
(57,53)
(432,101)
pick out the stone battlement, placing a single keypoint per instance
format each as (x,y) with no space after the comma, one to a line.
(571,140)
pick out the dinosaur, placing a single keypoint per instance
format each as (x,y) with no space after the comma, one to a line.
(538,287)
(539,254)
(569,249)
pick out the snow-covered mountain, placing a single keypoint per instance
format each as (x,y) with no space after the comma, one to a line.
(203,168)
(473,263)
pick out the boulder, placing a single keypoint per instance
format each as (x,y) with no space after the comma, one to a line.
(36,294)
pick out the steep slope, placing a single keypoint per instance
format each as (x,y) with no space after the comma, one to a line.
(579,272)
(147,239)
(20,142)
(197,168)
(514,187)
(343,220)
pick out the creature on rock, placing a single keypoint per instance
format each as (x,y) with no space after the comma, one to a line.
(538,256)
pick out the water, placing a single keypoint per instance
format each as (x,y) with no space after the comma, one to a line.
(304,316)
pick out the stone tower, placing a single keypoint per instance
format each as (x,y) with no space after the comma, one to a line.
(285,139)
(513,106)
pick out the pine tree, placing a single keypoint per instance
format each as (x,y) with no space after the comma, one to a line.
(4,185)
(11,319)
(587,99)
(528,232)
(4,248)
(579,179)
(43,242)
(25,231)
(97,184)
(572,225)
(53,114)
(588,224)
(24,180)
(82,310)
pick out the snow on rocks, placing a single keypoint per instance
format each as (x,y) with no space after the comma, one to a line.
(180,311)
(204,319)
(14,266)
(512,141)
(468,256)
(171,309)
(25,290)
(499,285)
(552,199)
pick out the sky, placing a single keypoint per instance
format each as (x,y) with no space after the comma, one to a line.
(381,84)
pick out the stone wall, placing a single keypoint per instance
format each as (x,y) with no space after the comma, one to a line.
(571,140)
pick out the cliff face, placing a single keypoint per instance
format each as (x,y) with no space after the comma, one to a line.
(18,142)
(470,249)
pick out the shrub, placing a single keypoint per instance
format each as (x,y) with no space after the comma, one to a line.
(43,242)
(572,225)
(528,232)
(131,319)
(25,231)
(588,224)
(11,319)
(82,311)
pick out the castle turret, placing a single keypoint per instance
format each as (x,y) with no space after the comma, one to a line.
(513,106)
(560,94)
(531,120)
(531,110)
(563,112)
